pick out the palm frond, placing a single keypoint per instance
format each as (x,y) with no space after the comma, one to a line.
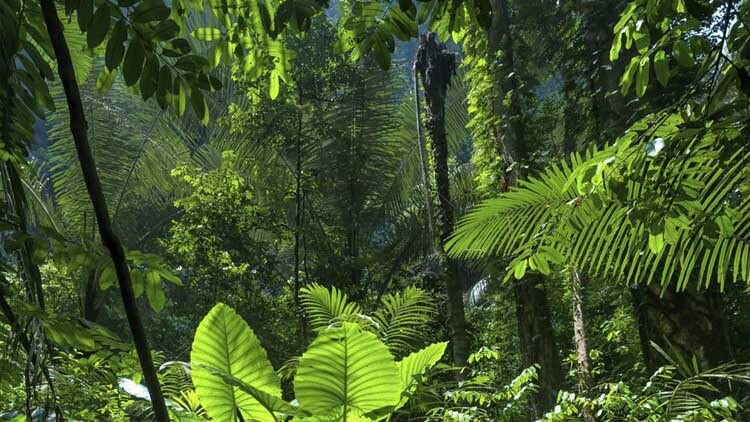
(133,144)
(499,226)
(676,396)
(678,217)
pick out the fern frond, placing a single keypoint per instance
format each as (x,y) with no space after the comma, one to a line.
(324,306)
(402,317)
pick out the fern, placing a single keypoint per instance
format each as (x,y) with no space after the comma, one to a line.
(402,318)
(324,307)
(398,322)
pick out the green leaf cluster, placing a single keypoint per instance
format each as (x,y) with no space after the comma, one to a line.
(345,373)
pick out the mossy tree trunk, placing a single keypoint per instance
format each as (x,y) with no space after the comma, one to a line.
(435,66)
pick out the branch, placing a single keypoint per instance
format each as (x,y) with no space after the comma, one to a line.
(94,188)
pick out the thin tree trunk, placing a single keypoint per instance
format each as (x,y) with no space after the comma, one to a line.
(435,66)
(647,353)
(536,335)
(17,202)
(423,161)
(89,300)
(297,237)
(10,316)
(585,368)
(578,282)
(93,186)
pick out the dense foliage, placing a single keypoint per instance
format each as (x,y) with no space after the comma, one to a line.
(490,210)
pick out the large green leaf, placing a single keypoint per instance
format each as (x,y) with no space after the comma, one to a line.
(347,371)
(99,26)
(272,403)
(224,342)
(415,365)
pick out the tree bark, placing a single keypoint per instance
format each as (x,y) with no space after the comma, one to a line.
(423,161)
(537,339)
(578,282)
(10,316)
(89,301)
(583,358)
(536,335)
(689,323)
(436,66)
(297,237)
(93,186)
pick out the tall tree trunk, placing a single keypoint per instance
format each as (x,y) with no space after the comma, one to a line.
(536,334)
(583,358)
(93,186)
(297,236)
(423,161)
(436,66)
(577,283)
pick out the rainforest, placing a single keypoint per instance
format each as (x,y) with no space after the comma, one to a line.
(372,210)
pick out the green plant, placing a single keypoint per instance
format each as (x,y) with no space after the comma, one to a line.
(679,205)
(680,391)
(398,322)
(345,374)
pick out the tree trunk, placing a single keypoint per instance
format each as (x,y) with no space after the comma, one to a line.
(89,297)
(577,282)
(423,161)
(93,186)
(12,321)
(608,106)
(585,368)
(689,323)
(435,66)
(297,237)
(537,339)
